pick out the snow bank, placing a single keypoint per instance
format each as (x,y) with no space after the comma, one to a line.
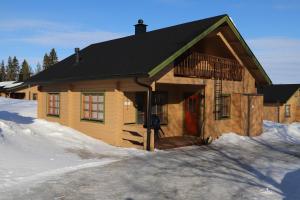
(273,133)
(32,148)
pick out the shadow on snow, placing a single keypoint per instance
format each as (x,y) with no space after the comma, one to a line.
(15,117)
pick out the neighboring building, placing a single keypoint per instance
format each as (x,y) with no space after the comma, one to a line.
(201,75)
(3,92)
(18,90)
(281,103)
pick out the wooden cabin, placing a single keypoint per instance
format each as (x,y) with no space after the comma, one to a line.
(197,80)
(18,90)
(281,103)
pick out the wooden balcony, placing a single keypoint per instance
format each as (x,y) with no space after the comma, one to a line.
(208,67)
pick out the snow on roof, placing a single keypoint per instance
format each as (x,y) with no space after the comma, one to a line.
(14,84)
(4,83)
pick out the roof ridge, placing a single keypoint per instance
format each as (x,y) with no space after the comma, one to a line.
(160,29)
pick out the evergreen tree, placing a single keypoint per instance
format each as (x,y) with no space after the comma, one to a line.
(16,68)
(9,69)
(25,71)
(46,62)
(2,71)
(38,68)
(53,57)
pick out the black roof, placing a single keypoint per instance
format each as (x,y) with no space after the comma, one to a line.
(134,55)
(280,93)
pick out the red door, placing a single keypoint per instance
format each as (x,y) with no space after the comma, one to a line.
(191,114)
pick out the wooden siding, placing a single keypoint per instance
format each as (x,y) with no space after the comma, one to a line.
(271,111)
(29,92)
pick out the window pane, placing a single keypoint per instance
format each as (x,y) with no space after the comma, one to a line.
(100,116)
(86,106)
(101,107)
(94,115)
(94,98)
(86,114)
(86,98)
(101,98)
(94,107)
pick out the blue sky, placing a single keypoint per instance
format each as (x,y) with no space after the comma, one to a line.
(29,29)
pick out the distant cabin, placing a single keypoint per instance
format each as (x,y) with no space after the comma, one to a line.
(184,84)
(18,90)
(281,103)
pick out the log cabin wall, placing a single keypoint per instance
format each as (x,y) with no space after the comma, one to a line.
(293,103)
(70,107)
(29,92)
(271,111)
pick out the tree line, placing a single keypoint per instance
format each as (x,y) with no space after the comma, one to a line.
(13,71)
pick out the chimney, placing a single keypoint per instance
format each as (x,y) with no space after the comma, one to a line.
(77,57)
(140,27)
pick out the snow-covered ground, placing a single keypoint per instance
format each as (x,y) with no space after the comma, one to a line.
(57,162)
(33,149)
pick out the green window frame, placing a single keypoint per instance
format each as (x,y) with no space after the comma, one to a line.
(93,106)
(224,109)
(53,104)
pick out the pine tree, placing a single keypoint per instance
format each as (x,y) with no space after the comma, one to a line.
(2,71)
(46,61)
(25,71)
(9,69)
(16,68)
(38,68)
(53,57)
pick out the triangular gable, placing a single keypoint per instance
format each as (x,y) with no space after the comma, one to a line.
(225,19)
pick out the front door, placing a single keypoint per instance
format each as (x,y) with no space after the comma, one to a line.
(191,114)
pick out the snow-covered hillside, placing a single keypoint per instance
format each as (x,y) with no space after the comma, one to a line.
(31,148)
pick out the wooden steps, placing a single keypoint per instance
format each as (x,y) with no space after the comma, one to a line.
(132,138)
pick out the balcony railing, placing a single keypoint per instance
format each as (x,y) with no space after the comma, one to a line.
(208,67)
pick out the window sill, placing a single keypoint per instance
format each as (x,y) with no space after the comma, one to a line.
(49,115)
(94,121)
(223,118)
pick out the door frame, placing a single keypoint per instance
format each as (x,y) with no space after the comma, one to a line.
(201,116)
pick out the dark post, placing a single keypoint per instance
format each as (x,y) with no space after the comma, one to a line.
(149,111)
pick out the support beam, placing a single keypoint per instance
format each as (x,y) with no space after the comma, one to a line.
(230,48)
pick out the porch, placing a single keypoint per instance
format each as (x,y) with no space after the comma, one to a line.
(179,108)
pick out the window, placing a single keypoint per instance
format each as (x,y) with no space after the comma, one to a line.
(224,107)
(159,106)
(287,110)
(93,106)
(53,104)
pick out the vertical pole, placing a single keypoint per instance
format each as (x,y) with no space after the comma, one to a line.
(149,111)
(249,115)
(278,112)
